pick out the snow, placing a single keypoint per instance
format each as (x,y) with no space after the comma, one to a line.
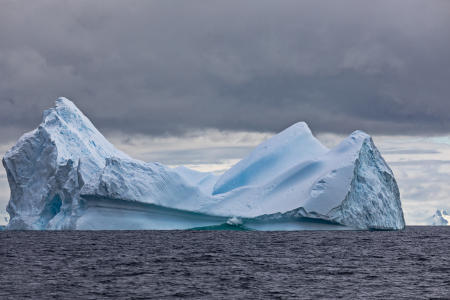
(152,183)
(203,180)
(272,158)
(66,175)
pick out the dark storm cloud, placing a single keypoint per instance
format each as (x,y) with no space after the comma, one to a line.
(159,67)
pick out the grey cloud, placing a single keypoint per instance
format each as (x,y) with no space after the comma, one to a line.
(158,67)
(410,151)
(197,156)
(434,162)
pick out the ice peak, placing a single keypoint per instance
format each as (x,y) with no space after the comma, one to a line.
(295,130)
(64,102)
(290,147)
(75,135)
(299,127)
(354,141)
(360,135)
(65,110)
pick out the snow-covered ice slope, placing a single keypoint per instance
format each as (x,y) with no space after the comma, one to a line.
(272,158)
(66,175)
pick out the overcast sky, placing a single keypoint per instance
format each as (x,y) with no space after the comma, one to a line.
(191,73)
(158,67)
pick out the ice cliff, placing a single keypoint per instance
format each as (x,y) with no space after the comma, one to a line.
(66,175)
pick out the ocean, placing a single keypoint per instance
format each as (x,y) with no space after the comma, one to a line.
(409,264)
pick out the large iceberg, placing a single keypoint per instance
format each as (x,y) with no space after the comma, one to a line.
(66,175)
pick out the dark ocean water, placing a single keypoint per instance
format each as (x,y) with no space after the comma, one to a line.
(409,264)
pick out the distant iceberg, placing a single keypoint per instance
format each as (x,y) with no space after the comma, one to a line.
(66,175)
(440,218)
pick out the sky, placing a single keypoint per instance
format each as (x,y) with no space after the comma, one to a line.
(203,82)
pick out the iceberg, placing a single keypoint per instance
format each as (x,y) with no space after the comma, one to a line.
(66,175)
(440,218)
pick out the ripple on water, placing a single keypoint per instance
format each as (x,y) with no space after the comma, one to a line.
(414,263)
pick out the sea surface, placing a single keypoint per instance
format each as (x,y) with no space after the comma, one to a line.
(409,264)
